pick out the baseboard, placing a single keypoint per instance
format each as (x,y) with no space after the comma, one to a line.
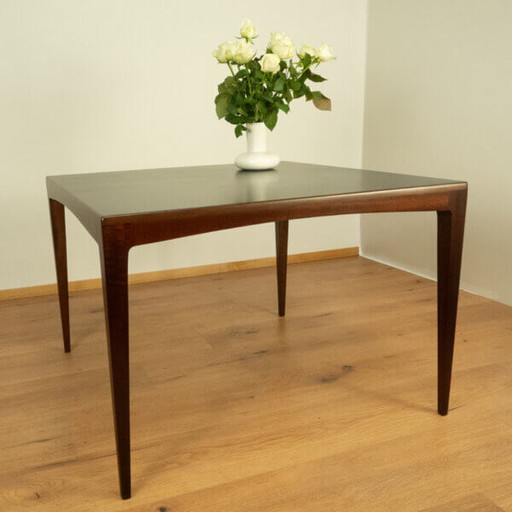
(177,273)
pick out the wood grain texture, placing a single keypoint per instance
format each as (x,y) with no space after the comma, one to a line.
(235,409)
(473,503)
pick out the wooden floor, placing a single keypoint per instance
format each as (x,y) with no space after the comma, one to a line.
(234,409)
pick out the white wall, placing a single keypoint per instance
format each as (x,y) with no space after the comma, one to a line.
(103,85)
(439,103)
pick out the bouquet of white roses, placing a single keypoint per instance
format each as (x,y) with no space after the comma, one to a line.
(257,88)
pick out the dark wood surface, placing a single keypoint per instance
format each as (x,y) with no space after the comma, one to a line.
(57,216)
(124,209)
(281,263)
(450,234)
(189,190)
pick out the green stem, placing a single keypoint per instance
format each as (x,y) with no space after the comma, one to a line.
(305,69)
(230,68)
(248,80)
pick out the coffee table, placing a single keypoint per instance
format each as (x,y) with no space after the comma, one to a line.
(124,209)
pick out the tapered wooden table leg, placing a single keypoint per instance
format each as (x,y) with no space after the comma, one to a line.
(114,261)
(282,263)
(57,217)
(450,234)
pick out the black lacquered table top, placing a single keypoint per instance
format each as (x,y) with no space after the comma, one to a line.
(107,194)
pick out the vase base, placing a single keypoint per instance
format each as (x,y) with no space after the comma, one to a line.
(257,161)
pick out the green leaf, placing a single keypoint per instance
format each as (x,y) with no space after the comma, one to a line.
(282,106)
(317,95)
(228,85)
(271,120)
(222,105)
(232,108)
(295,85)
(262,108)
(239,129)
(316,78)
(304,89)
(279,85)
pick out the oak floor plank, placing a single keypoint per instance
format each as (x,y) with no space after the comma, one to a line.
(473,503)
(235,409)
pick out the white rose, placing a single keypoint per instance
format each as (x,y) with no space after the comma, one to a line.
(225,51)
(248,30)
(270,63)
(242,52)
(282,45)
(325,53)
(283,50)
(307,50)
(276,37)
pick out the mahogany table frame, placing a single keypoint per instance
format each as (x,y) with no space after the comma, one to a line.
(116,235)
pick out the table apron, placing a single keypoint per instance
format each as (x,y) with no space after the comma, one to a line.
(138,229)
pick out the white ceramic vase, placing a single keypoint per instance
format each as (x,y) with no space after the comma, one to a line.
(256,158)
